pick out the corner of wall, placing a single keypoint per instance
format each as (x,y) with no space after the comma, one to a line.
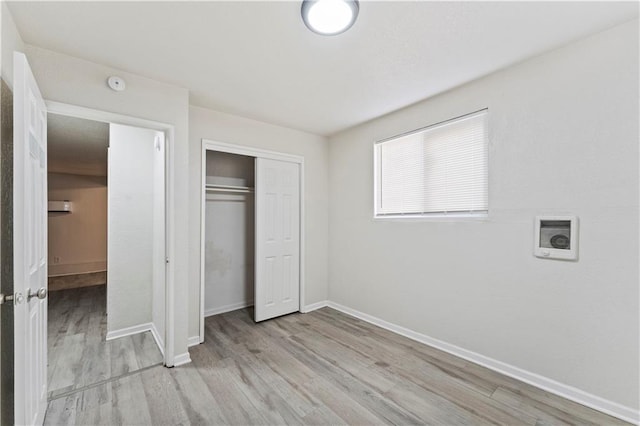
(181,359)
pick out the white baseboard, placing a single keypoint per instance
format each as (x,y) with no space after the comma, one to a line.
(156,336)
(312,307)
(181,359)
(193,341)
(64,269)
(128,331)
(226,308)
(569,392)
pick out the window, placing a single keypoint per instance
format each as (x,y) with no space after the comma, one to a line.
(440,170)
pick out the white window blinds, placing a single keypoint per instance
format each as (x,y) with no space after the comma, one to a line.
(440,170)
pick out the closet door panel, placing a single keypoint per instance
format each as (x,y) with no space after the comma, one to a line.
(277,282)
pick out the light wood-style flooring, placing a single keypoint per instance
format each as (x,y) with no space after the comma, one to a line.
(320,368)
(78,353)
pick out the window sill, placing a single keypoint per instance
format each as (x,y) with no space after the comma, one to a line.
(462,217)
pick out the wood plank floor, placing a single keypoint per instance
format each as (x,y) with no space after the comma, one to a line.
(320,368)
(78,353)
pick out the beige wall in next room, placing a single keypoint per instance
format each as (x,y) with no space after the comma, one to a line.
(78,240)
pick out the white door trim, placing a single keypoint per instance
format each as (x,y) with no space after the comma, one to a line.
(209,145)
(169,130)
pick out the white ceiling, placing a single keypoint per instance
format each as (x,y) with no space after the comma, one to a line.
(76,145)
(258,60)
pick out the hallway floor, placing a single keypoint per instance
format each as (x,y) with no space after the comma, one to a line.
(78,354)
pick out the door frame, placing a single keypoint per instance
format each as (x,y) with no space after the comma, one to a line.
(210,145)
(169,131)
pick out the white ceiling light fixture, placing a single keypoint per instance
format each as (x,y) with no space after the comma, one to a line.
(329,17)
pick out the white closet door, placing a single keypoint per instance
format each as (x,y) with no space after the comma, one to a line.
(277,283)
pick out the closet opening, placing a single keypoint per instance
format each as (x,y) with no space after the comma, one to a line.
(251,232)
(229,232)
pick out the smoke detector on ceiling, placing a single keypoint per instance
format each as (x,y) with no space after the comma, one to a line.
(116,83)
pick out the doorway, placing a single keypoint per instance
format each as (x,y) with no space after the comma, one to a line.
(106,251)
(29,297)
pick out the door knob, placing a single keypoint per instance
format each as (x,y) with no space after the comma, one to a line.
(40,294)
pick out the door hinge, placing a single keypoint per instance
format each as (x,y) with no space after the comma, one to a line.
(7,298)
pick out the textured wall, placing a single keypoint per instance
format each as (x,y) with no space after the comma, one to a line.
(563,131)
(6,253)
(131,237)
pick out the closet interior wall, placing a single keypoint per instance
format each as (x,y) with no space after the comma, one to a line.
(229,232)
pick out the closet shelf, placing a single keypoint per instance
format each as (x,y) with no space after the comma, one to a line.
(227,188)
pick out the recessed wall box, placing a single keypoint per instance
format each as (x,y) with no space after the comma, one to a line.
(556,237)
(59,206)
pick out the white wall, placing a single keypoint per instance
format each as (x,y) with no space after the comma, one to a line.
(131,237)
(228,128)
(563,139)
(136,267)
(78,239)
(75,81)
(158,297)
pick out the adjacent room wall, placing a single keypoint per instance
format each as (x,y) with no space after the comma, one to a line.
(563,139)
(221,127)
(133,230)
(78,240)
(79,82)
(159,296)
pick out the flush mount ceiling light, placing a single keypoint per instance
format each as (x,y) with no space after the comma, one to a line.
(329,17)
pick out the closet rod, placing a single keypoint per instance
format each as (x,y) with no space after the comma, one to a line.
(217,185)
(244,190)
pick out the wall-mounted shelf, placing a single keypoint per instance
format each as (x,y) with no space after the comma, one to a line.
(59,206)
(228,188)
